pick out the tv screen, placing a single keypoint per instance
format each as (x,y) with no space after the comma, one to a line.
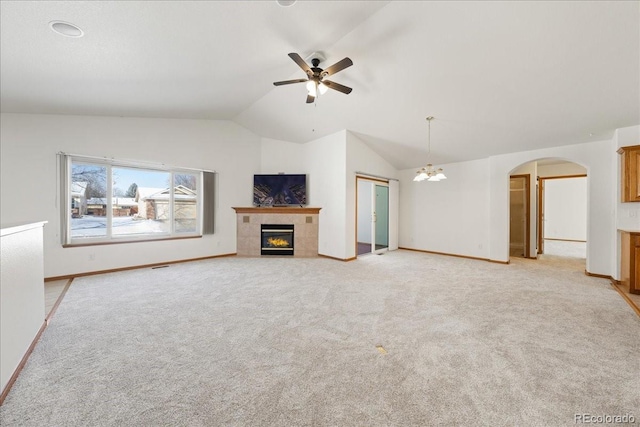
(279,190)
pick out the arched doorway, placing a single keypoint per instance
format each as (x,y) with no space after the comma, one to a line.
(549,196)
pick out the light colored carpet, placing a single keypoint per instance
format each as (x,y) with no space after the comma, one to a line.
(283,341)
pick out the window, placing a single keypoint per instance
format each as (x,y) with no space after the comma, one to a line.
(110,201)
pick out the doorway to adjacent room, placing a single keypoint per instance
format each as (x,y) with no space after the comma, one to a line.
(372,228)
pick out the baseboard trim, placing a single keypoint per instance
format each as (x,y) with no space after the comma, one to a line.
(58,301)
(23,362)
(453,255)
(616,285)
(565,240)
(135,267)
(601,276)
(338,259)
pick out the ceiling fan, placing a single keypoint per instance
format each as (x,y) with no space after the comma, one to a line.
(316,82)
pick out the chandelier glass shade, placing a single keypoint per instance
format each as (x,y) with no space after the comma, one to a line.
(429,172)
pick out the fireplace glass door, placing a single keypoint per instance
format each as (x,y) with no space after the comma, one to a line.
(276,239)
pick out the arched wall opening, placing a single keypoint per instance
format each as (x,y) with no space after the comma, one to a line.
(600,160)
(557,217)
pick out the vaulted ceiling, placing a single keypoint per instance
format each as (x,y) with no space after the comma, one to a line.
(499,77)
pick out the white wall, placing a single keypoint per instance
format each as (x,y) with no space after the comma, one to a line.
(282,156)
(449,216)
(565,209)
(326,161)
(29,178)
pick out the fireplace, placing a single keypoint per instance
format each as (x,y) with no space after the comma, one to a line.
(305,224)
(276,239)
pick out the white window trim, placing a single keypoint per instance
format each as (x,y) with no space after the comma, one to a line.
(68,241)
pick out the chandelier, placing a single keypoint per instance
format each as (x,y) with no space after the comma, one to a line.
(429,172)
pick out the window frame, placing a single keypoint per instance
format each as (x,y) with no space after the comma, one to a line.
(69,241)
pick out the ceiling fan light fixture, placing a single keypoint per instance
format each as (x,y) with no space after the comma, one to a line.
(315,75)
(312,88)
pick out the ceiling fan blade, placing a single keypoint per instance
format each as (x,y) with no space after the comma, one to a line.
(338,66)
(288,82)
(298,60)
(310,99)
(337,86)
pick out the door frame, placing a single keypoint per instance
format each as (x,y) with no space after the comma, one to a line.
(374,181)
(527,216)
(541,181)
(374,223)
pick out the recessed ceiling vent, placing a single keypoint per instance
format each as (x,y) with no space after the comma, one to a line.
(66,29)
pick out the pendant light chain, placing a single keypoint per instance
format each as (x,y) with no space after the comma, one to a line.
(429,137)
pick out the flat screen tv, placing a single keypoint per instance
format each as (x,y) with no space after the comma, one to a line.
(279,190)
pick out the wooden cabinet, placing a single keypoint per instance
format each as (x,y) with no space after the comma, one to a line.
(630,173)
(630,262)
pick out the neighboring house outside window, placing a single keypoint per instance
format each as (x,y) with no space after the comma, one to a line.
(154,203)
(78,198)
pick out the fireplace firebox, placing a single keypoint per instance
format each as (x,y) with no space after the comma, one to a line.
(276,239)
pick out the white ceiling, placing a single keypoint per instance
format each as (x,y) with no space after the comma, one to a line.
(499,77)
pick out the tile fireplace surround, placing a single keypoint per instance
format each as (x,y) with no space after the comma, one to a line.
(304,220)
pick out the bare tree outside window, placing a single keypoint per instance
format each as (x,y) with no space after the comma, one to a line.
(186,180)
(88,200)
(94,176)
